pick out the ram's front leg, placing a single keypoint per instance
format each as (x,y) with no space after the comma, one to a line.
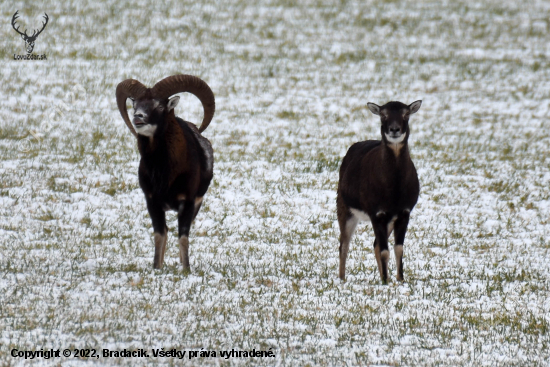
(158,218)
(185,217)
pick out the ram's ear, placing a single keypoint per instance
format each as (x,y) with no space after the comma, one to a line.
(374,108)
(172,103)
(133,102)
(415,106)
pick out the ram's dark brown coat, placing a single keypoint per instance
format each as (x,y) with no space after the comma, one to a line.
(176,164)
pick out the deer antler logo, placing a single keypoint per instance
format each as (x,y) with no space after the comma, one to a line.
(29,40)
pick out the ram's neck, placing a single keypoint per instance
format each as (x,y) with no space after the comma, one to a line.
(165,153)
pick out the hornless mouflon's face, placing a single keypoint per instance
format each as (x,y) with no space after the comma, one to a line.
(149,113)
(394,117)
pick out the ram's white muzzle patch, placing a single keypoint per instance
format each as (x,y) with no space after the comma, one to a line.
(146,130)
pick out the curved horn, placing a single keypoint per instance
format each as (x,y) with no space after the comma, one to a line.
(188,83)
(130,88)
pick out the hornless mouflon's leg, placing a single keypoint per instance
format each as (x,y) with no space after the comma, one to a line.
(161,231)
(347,222)
(185,217)
(400,230)
(380,226)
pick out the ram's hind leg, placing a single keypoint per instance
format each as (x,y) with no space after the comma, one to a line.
(160,248)
(186,214)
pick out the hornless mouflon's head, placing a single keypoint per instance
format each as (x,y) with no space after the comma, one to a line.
(150,113)
(395,120)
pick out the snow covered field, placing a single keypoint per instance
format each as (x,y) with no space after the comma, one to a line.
(291,85)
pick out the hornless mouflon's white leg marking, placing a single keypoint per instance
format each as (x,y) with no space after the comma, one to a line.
(345,239)
(398,249)
(160,245)
(184,252)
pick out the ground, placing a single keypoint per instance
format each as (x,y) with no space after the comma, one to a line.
(291,84)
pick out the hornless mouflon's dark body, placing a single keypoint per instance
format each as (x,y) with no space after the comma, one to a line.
(378,182)
(176,164)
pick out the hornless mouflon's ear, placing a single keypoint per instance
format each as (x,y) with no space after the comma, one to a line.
(172,103)
(374,108)
(415,106)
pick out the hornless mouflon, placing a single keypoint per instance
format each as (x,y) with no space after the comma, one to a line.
(378,182)
(176,160)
